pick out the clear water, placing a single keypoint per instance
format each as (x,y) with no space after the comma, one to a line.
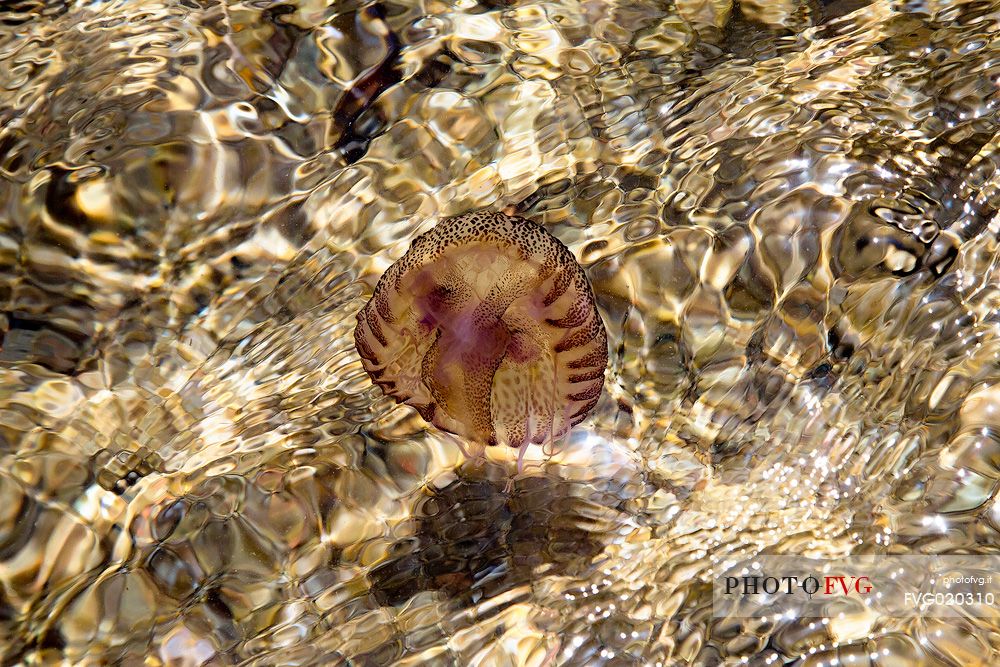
(787,211)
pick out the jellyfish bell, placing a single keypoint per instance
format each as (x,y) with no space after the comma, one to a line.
(487,326)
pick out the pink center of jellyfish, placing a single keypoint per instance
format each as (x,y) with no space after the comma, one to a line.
(487,326)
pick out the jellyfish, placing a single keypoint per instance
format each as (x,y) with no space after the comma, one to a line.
(487,326)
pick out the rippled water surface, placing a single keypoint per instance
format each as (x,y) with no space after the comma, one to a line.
(788,214)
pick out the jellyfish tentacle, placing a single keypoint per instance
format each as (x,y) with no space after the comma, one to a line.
(458,372)
(520,457)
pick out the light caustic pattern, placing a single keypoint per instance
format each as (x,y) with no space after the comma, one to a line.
(786,213)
